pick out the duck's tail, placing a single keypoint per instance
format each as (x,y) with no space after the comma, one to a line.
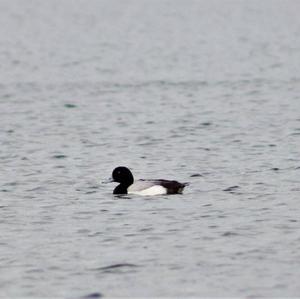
(183,185)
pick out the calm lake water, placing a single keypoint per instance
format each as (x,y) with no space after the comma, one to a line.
(201,91)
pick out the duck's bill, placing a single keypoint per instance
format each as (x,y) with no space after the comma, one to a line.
(110,180)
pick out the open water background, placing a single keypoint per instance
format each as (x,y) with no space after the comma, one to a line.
(200,91)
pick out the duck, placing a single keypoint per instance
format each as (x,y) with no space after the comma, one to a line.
(128,185)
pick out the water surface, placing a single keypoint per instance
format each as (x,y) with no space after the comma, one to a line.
(198,91)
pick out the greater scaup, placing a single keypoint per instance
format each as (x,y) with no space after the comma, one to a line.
(128,185)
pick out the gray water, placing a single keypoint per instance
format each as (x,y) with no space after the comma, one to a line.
(201,91)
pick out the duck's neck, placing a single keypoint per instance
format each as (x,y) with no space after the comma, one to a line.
(121,189)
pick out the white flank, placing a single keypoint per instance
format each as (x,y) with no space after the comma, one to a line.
(154,190)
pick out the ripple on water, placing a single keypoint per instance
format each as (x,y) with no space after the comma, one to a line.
(92,296)
(118,268)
